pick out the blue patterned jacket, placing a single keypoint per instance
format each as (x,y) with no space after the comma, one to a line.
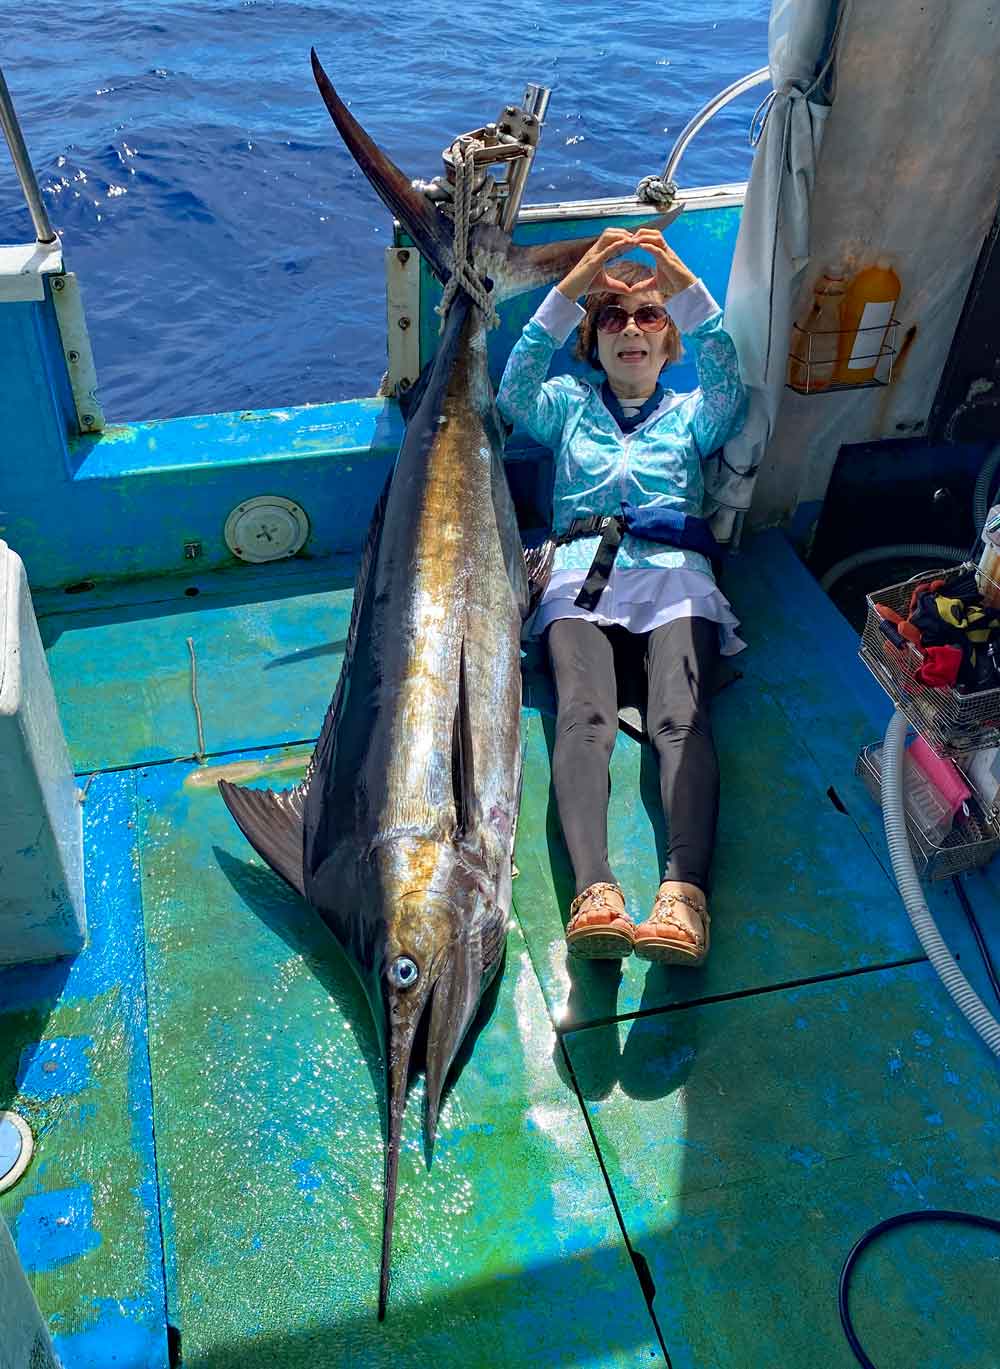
(596,465)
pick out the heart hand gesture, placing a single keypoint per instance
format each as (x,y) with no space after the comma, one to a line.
(672,275)
(590,273)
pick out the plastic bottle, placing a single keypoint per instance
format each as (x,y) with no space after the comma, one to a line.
(813,354)
(988,578)
(869,305)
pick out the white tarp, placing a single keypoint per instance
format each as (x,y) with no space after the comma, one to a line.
(909,170)
(772,249)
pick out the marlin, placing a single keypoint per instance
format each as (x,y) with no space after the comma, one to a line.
(401,833)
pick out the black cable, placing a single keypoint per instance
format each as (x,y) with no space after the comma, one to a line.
(901,1219)
(977,932)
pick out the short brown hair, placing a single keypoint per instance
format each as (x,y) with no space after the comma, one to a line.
(631,273)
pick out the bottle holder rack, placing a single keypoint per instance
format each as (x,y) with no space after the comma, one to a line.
(811,370)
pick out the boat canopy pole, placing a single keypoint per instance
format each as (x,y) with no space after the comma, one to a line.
(706,112)
(44,232)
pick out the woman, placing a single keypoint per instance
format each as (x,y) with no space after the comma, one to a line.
(628,439)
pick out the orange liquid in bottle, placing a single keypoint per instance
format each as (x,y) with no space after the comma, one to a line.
(813,358)
(869,305)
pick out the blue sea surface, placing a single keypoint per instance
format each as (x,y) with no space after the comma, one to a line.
(229,250)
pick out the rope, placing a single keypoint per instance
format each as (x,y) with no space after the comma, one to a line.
(200,753)
(655,190)
(465,277)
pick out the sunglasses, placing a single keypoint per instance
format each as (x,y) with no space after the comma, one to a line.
(613,318)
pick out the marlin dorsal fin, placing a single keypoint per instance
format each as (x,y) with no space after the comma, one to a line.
(272,820)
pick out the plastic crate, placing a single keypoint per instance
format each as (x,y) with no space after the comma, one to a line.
(972,841)
(952,721)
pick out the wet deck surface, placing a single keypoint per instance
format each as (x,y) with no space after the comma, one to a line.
(204,1083)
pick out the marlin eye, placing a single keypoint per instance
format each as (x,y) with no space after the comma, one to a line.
(403,972)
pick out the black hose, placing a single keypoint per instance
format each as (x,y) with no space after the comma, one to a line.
(977,932)
(901,1219)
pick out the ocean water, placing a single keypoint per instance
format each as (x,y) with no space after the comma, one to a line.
(230,252)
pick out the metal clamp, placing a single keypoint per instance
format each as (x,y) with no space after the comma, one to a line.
(511,141)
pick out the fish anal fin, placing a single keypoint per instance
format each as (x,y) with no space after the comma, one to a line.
(271,821)
(509,533)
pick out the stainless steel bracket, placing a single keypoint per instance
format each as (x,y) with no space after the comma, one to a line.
(402,293)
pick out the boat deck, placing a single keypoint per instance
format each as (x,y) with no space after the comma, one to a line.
(631,1165)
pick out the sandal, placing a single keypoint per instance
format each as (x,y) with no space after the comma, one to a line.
(599,927)
(678,909)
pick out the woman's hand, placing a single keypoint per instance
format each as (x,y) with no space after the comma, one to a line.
(589,273)
(672,275)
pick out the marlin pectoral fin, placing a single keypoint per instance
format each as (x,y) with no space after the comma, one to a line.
(493,943)
(429,229)
(272,823)
(467,812)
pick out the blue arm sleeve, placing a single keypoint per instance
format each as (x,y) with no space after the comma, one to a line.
(524,396)
(722,405)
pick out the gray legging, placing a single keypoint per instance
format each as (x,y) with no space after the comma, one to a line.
(678,658)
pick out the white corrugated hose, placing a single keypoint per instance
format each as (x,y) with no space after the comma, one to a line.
(965,996)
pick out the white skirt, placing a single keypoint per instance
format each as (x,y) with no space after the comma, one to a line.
(640,599)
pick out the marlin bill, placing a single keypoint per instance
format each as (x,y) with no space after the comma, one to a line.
(400,835)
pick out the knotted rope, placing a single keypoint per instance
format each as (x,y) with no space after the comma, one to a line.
(465,277)
(654,190)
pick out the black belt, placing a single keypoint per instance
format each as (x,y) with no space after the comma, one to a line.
(654,523)
(611,528)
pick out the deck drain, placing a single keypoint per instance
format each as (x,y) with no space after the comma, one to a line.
(16,1146)
(266,528)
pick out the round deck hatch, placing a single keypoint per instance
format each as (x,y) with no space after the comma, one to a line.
(266,528)
(16,1146)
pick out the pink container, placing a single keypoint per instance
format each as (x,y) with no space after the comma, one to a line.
(941,773)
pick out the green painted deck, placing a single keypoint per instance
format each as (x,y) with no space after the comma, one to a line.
(628,1161)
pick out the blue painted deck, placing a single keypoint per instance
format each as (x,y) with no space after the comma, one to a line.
(737,1127)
